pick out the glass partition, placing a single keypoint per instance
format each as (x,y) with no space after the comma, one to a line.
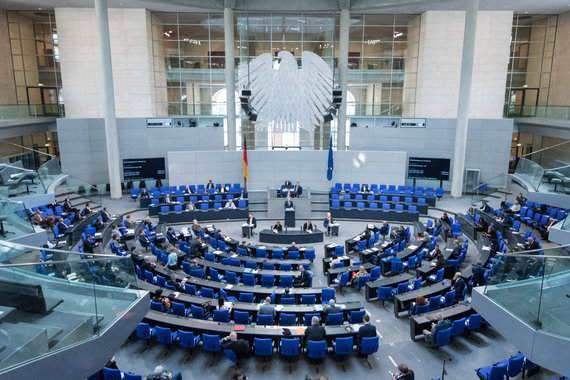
(30,111)
(49,172)
(14,220)
(86,190)
(55,299)
(530,172)
(487,187)
(17,181)
(533,286)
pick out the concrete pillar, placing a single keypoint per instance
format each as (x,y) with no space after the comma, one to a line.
(230,76)
(464,95)
(111,134)
(343,75)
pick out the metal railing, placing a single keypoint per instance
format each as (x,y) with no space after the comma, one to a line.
(532,286)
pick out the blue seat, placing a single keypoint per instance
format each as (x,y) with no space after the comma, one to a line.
(246,297)
(356,316)
(369,346)
(515,365)
(417,284)
(164,335)
(384,293)
(277,254)
(290,347)
(375,273)
(208,293)
(473,322)
(231,355)
(251,264)
(317,349)
(309,254)
(215,276)
(144,331)
(422,309)
(197,312)
(342,280)
(443,337)
(287,319)
(456,229)
(211,342)
(334,319)
(261,253)
(242,251)
(249,279)
(327,294)
(285,267)
(434,303)
(112,374)
(496,371)
(343,346)
(156,306)
(222,316)
(131,376)
(457,327)
(437,277)
(308,299)
(292,255)
(286,281)
(179,309)
(401,289)
(288,300)
(267,280)
(263,346)
(190,289)
(397,266)
(448,299)
(242,317)
(265,319)
(231,277)
(187,339)
(362,280)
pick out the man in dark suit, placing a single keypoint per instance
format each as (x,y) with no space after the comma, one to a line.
(545,228)
(442,324)
(209,185)
(148,223)
(478,274)
(143,239)
(303,279)
(315,332)
(484,206)
(89,245)
(196,247)
(240,347)
(457,248)
(251,220)
(297,190)
(67,207)
(385,229)
(218,235)
(364,188)
(293,247)
(288,183)
(531,244)
(367,330)
(458,284)
(404,373)
(308,226)
(171,236)
(62,226)
(105,215)
(288,203)
(330,308)
(435,252)
(482,226)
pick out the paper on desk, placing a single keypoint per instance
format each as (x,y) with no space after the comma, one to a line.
(278,307)
(342,306)
(485,248)
(229,286)
(300,331)
(412,246)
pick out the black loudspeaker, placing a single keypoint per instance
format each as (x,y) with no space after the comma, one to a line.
(337,92)
(246,92)
(353,125)
(328,117)
(252,117)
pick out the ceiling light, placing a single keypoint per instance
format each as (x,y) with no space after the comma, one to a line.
(398,34)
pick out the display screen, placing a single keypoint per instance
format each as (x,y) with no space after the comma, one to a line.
(429,168)
(143,168)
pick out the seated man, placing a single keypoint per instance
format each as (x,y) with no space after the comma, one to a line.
(89,245)
(330,308)
(188,190)
(288,203)
(218,235)
(531,244)
(191,206)
(431,255)
(293,247)
(478,276)
(457,248)
(277,227)
(287,183)
(364,188)
(240,347)
(171,236)
(162,374)
(303,279)
(315,332)
(308,226)
(86,210)
(458,284)
(442,324)
(445,218)
(367,330)
(384,230)
(438,261)
(197,248)
(143,239)
(62,226)
(545,228)
(484,206)
(267,308)
(105,215)
(230,205)
(297,190)
(148,223)
(210,185)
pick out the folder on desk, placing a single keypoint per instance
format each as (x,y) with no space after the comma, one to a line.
(239,327)
(300,331)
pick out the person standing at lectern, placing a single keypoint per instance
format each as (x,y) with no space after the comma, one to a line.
(308,227)
(327,222)
(288,183)
(298,190)
(251,220)
(288,203)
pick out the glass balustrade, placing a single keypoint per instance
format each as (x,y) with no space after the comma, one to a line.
(14,220)
(49,172)
(50,300)
(30,111)
(17,181)
(535,287)
(544,180)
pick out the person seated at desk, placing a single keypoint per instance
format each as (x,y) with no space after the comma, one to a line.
(334,260)
(327,222)
(367,330)
(315,332)
(267,308)
(86,210)
(67,207)
(161,373)
(288,204)
(39,220)
(222,305)
(458,284)
(143,239)
(218,235)
(293,247)
(530,244)
(445,218)
(188,190)
(148,223)
(364,188)
(384,230)
(191,206)
(230,205)
(288,183)
(544,229)
(431,255)
(172,262)
(144,194)
(438,261)
(222,189)
(303,279)
(457,248)
(171,236)
(159,298)
(106,216)
(478,274)
(277,227)
(243,245)
(89,245)
(116,233)
(242,195)
(515,208)
(240,347)
(330,308)
(147,265)
(398,235)
(167,199)
(437,224)
(361,272)
(485,207)
(471,213)
(491,233)
(506,219)
(308,226)
(197,247)
(482,225)
(297,190)
(520,199)
(210,185)
(62,226)
(179,286)
(442,324)
(419,301)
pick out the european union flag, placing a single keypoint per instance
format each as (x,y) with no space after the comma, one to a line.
(330,165)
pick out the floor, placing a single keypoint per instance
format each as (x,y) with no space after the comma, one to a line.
(460,358)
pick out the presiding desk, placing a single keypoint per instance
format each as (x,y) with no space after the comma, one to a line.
(187,216)
(287,237)
(275,333)
(390,282)
(402,302)
(421,322)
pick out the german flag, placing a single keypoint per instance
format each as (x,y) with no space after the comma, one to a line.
(244,162)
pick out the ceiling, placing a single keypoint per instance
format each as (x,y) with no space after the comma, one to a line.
(372,6)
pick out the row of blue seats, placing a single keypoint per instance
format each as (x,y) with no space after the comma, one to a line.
(553,212)
(388,189)
(173,190)
(511,367)
(290,347)
(242,203)
(458,327)
(382,198)
(374,205)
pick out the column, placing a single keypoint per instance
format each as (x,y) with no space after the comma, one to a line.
(230,76)
(343,74)
(463,101)
(111,134)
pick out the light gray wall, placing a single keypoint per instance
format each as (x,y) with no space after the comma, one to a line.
(84,152)
(271,168)
(488,143)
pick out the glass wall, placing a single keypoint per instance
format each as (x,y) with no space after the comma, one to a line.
(35,58)
(189,62)
(530,64)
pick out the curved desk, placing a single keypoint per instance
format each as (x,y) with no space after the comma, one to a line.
(287,237)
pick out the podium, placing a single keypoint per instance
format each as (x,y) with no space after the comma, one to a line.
(289,218)
(247,230)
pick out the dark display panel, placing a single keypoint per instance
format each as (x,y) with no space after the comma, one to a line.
(143,168)
(429,168)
